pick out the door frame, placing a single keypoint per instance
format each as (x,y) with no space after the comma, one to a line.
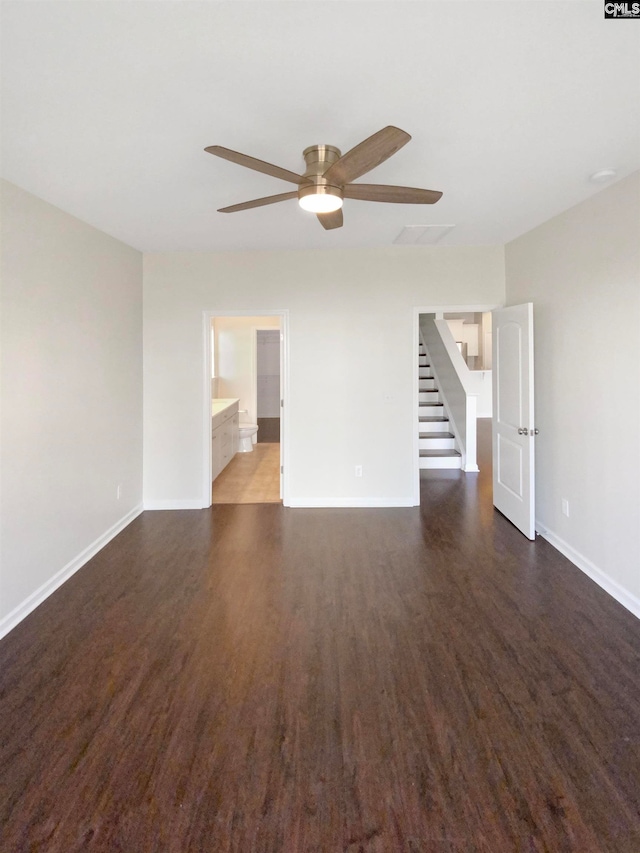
(417,311)
(207,317)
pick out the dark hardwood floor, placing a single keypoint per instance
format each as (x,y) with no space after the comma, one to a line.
(259,679)
(268,430)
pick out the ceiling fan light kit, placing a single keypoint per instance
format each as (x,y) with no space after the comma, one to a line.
(328,177)
(318,199)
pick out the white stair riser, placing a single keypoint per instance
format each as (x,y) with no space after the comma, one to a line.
(422,361)
(440,462)
(428,397)
(437,443)
(434,426)
(425,373)
(435,411)
(427,384)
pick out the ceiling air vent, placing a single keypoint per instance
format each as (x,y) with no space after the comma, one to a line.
(422,235)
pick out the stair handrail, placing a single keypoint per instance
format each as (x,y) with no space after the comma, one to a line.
(455,384)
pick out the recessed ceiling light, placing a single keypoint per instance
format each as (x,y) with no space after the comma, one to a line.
(603,176)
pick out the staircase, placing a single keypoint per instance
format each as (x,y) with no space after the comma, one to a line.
(437,444)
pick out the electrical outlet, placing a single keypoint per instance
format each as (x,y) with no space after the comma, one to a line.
(358,470)
(565,507)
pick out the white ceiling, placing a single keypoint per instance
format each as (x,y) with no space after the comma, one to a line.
(512,104)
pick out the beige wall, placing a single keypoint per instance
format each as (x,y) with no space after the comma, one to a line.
(351,357)
(71,395)
(581,270)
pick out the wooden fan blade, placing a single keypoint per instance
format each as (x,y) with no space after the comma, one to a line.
(367,155)
(256,165)
(258,202)
(331,220)
(399,195)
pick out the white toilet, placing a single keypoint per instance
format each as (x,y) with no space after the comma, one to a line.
(248,436)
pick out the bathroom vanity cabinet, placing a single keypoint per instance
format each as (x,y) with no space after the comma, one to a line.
(224,434)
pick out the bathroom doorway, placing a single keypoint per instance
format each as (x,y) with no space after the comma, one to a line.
(247,359)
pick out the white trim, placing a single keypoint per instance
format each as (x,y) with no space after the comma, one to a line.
(207,472)
(207,317)
(194,503)
(456,309)
(352,502)
(615,590)
(43,592)
(417,340)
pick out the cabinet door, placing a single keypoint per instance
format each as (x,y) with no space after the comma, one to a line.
(225,442)
(235,434)
(216,453)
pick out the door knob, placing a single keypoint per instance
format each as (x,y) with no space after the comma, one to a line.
(523,431)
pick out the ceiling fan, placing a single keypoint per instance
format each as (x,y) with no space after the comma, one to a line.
(328,177)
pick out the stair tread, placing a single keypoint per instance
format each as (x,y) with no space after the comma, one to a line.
(452,453)
(437,435)
(424,419)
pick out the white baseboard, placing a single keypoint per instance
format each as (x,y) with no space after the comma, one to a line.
(621,595)
(190,504)
(32,601)
(351,502)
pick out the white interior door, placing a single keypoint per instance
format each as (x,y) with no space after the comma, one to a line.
(513,416)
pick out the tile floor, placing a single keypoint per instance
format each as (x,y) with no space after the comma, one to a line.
(250,477)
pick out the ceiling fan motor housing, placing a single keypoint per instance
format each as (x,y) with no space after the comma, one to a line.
(318,159)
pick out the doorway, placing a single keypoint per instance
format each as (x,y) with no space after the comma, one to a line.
(246,358)
(444,427)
